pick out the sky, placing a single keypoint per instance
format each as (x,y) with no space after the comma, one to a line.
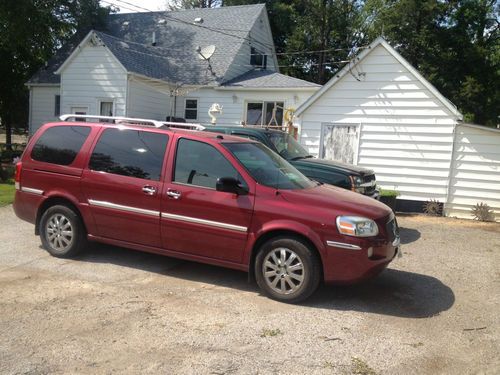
(137,5)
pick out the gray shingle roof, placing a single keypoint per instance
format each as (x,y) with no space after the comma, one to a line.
(267,79)
(176,42)
(159,63)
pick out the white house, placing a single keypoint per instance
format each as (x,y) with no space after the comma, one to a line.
(171,64)
(396,123)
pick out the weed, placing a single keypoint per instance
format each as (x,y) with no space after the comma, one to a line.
(360,367)
(483,212)
(271,332)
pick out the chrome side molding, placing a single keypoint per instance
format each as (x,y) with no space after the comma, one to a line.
(343,245)
(211,223)
(31,190)
(115,206)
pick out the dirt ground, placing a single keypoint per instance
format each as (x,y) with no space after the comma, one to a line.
(112,310)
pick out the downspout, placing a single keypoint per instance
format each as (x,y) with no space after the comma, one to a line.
(451,169)
(127,97)
(30,112)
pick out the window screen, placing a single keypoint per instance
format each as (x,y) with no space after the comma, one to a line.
(60,144)
(198,163)
(132,153)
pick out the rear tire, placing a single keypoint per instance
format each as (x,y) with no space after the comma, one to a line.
(62,232)
(287,269)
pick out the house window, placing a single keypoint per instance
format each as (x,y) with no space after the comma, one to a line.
(79,111)
(106,108)
(257,58)
(191,109)
(57,106)
(264,113)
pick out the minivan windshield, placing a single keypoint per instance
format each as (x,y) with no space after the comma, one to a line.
(268,168)
(287,146)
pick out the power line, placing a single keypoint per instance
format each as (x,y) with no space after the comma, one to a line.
(169,49)
(235,36)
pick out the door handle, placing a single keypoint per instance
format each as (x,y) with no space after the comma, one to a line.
(173,194)
(149,190)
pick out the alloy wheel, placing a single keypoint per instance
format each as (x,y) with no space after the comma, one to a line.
(283,270)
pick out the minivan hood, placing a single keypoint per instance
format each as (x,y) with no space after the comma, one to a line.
(342,201)
(349,168)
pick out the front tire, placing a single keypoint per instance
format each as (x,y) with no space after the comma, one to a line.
(287,269)
(62,232)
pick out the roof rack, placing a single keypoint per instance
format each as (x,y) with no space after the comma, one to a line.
(135,121)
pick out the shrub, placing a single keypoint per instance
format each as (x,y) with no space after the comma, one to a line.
(6,173)
(389,193)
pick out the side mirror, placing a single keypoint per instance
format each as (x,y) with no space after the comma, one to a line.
(230,185)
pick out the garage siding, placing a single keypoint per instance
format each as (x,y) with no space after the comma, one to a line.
(405,132)
(475,172)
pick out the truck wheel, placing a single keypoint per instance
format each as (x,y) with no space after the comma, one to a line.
(62,232)
(287,269)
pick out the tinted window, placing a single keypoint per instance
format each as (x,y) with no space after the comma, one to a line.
(287,146)
(200,164)
(60,144)
(267,167)
(132,153)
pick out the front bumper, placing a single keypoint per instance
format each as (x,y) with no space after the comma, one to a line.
(346,265)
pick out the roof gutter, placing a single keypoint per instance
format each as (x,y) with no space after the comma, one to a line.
(236,88)
(30,84)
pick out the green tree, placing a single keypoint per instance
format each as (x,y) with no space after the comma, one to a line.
(191,4)
(313,25)
(30,33)
(454,44)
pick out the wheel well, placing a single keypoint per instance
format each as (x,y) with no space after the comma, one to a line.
(277,233)
(53,201)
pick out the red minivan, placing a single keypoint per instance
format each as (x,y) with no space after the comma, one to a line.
(199,196)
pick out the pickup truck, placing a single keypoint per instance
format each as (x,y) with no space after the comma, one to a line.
(347,176)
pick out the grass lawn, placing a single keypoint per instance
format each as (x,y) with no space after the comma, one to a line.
(6,194)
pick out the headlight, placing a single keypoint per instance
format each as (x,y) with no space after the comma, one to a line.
(356,183)
(357,226)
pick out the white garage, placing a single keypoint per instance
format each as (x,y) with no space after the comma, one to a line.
(380,112)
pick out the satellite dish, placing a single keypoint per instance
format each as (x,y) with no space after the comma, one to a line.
(206,53)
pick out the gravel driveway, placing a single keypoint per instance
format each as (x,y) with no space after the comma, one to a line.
(436,310)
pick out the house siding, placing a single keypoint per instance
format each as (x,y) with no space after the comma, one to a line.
(94,74)
(262,40)
(146,102)
(405,132)
(234,111)
(43,100)
(475,171)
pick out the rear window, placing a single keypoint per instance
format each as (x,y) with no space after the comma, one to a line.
(60,144)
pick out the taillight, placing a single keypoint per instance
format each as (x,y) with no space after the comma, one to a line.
(17,176)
